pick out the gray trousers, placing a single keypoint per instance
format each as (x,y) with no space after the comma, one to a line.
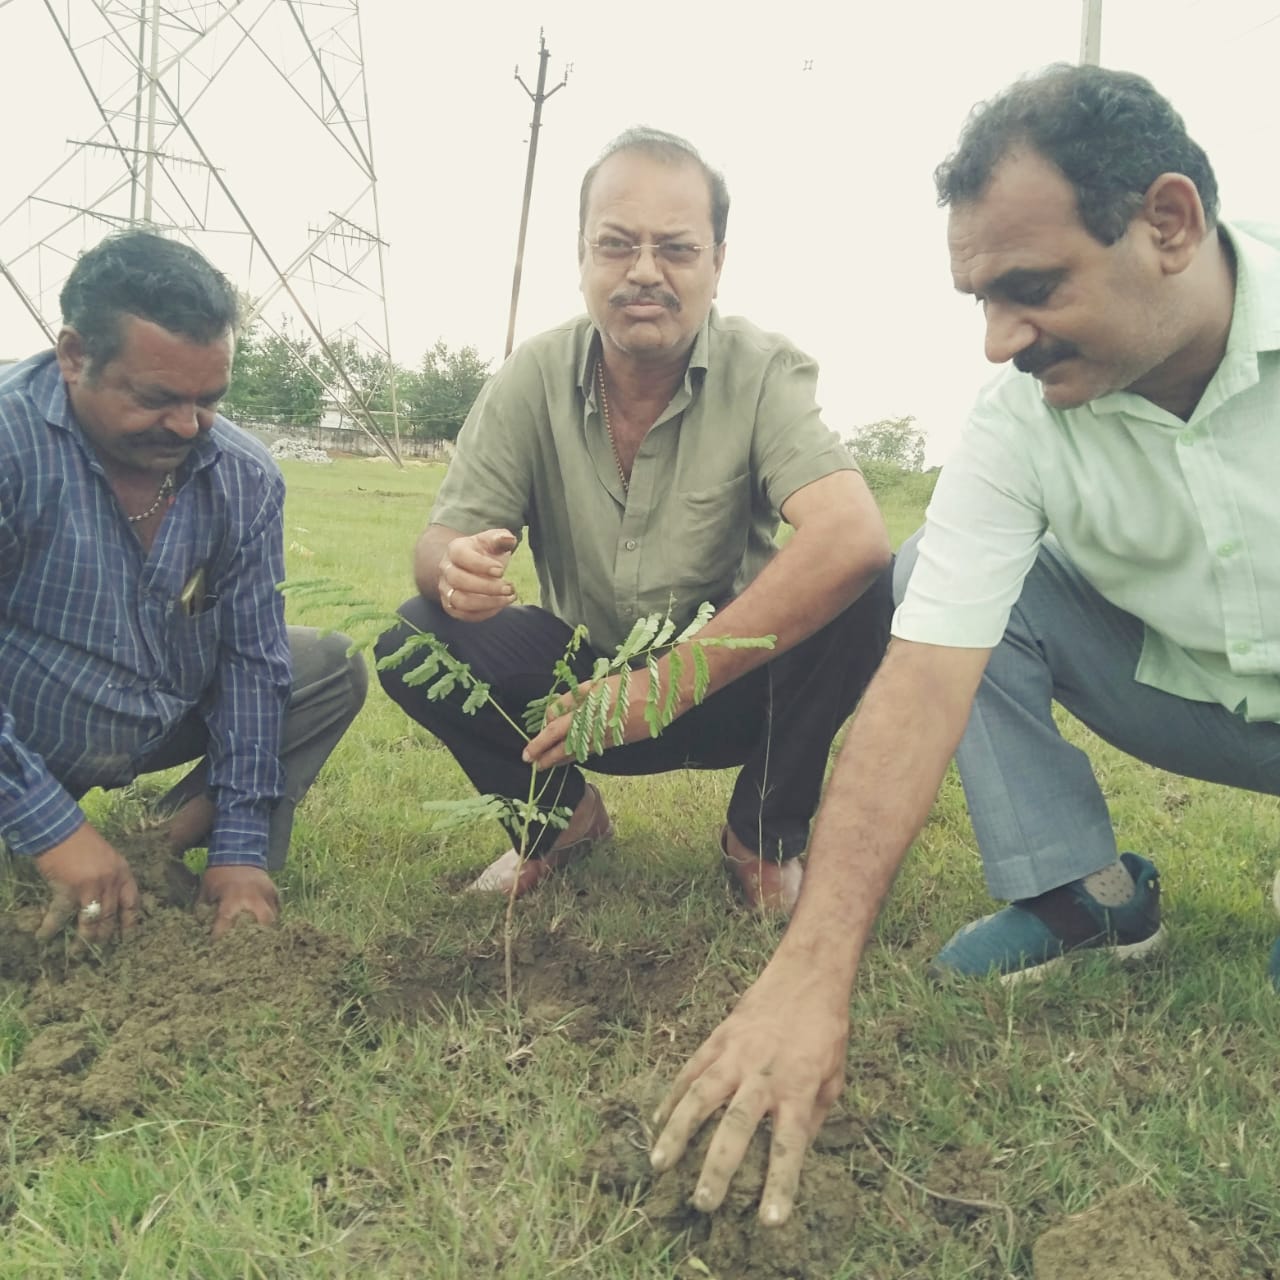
(328,689)
(1037,810)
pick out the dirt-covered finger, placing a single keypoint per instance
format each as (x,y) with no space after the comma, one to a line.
(61,910)
(728,1147)
(786,1158)
(130,908)
(699,1101)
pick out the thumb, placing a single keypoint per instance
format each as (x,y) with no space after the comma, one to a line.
(497,542)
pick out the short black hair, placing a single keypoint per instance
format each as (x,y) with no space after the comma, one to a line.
(143,274)
(1109,132)
(671,148)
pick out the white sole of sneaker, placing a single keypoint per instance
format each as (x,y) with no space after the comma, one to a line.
(1123,954)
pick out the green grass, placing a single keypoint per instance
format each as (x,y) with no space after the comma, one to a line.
(455,1142)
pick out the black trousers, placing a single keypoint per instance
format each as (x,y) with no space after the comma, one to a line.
(777,722)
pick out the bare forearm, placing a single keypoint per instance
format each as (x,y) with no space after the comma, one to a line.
(427,555)
(880,793)
(821,571)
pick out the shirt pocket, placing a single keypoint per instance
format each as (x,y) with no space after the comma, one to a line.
(707,537)
(194,652)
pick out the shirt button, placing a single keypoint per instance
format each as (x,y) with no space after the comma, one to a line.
(631,544)
(628,612)
(1188,437)
(1242,646)
(1227,548)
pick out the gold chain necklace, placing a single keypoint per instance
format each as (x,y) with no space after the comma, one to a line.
(608,426)
(166,488)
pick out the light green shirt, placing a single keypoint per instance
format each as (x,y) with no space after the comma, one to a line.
(742,433)
(1177,523)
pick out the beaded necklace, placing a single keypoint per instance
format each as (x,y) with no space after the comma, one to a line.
(166,488)
(608,426)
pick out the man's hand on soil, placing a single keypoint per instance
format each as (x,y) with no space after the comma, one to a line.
(83,870)
(780,1053)
(237,892)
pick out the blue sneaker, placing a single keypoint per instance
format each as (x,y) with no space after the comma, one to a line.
(1027,937)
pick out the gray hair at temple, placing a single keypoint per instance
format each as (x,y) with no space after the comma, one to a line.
(139,273)
(1109,132)
(672,149)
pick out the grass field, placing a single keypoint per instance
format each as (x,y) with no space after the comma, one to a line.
(364,1103)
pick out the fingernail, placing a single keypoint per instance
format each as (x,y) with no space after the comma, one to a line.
(524,755)
(773,1215)
(702,1199)
(658,1158)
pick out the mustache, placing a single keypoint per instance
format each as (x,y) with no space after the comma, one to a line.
(1035,360)
(161,439)
(630,297)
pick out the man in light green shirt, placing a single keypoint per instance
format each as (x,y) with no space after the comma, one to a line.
(649,448)
(1104,537)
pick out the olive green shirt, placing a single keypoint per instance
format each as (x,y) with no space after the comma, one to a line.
(1177,523)
(742,433)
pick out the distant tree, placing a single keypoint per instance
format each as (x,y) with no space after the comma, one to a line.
(440,394)
(897,442)
(273,379)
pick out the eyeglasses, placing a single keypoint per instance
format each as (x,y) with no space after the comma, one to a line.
(611,250)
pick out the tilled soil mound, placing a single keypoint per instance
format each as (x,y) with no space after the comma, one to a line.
(108,1030)
(1133,1235)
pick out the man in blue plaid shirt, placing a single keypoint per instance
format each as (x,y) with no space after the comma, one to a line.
(141,542)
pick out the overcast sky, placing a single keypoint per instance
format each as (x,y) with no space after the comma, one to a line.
(834,238)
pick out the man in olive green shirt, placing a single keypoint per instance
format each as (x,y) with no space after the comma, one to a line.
(649,448)
(1139,428)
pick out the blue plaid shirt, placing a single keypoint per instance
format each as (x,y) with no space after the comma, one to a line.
(99,661)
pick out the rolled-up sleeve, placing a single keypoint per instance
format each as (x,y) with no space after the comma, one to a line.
(982,532)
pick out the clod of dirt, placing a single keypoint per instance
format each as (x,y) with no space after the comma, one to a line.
(814,1244)
(110,1030)
(1132,1235)
(559,981)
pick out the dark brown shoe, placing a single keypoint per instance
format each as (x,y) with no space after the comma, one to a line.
(769,887)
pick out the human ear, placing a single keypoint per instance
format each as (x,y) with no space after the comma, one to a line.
(72,358)
(1175,219)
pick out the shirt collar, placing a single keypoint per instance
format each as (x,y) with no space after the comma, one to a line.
(698,357)
(1255,327)
(1255,320)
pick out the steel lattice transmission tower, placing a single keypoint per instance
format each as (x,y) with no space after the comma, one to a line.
(241,126)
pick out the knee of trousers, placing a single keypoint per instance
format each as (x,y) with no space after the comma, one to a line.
(335,661)
(904,564)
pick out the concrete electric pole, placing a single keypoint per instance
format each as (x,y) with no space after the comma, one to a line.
(1090,32)
(539,97)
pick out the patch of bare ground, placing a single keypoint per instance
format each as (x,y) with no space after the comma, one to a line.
(1133,1235)
(109,1030)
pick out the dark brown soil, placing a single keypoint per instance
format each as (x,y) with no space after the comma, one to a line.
(110,1034)
(110,1031)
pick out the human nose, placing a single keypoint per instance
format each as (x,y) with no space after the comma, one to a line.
(1008,332)
(644,266)
(183,419)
